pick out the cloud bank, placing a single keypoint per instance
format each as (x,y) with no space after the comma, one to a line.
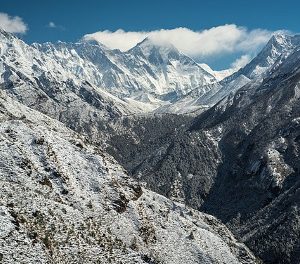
(12,24)
(218,40)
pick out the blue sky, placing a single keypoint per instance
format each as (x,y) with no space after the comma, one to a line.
(71,20)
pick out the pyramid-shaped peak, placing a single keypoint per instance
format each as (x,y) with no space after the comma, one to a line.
(149,44)
(284,40)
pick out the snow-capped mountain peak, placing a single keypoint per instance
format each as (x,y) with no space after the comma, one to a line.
(279,44)
(149,47)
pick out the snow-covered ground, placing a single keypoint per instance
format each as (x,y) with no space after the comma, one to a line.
(65,201)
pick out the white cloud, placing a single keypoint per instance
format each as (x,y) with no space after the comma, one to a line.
(51,25)
(241,62)
(206,43)
(119,39)
(12,24)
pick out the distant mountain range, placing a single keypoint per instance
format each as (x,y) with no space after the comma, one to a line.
(146,78)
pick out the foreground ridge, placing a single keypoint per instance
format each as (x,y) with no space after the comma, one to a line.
(65,201)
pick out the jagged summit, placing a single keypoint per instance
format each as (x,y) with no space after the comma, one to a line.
(93,42)
(284,39)
(148,47)
(279,44)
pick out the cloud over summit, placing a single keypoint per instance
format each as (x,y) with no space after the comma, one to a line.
(223,39)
